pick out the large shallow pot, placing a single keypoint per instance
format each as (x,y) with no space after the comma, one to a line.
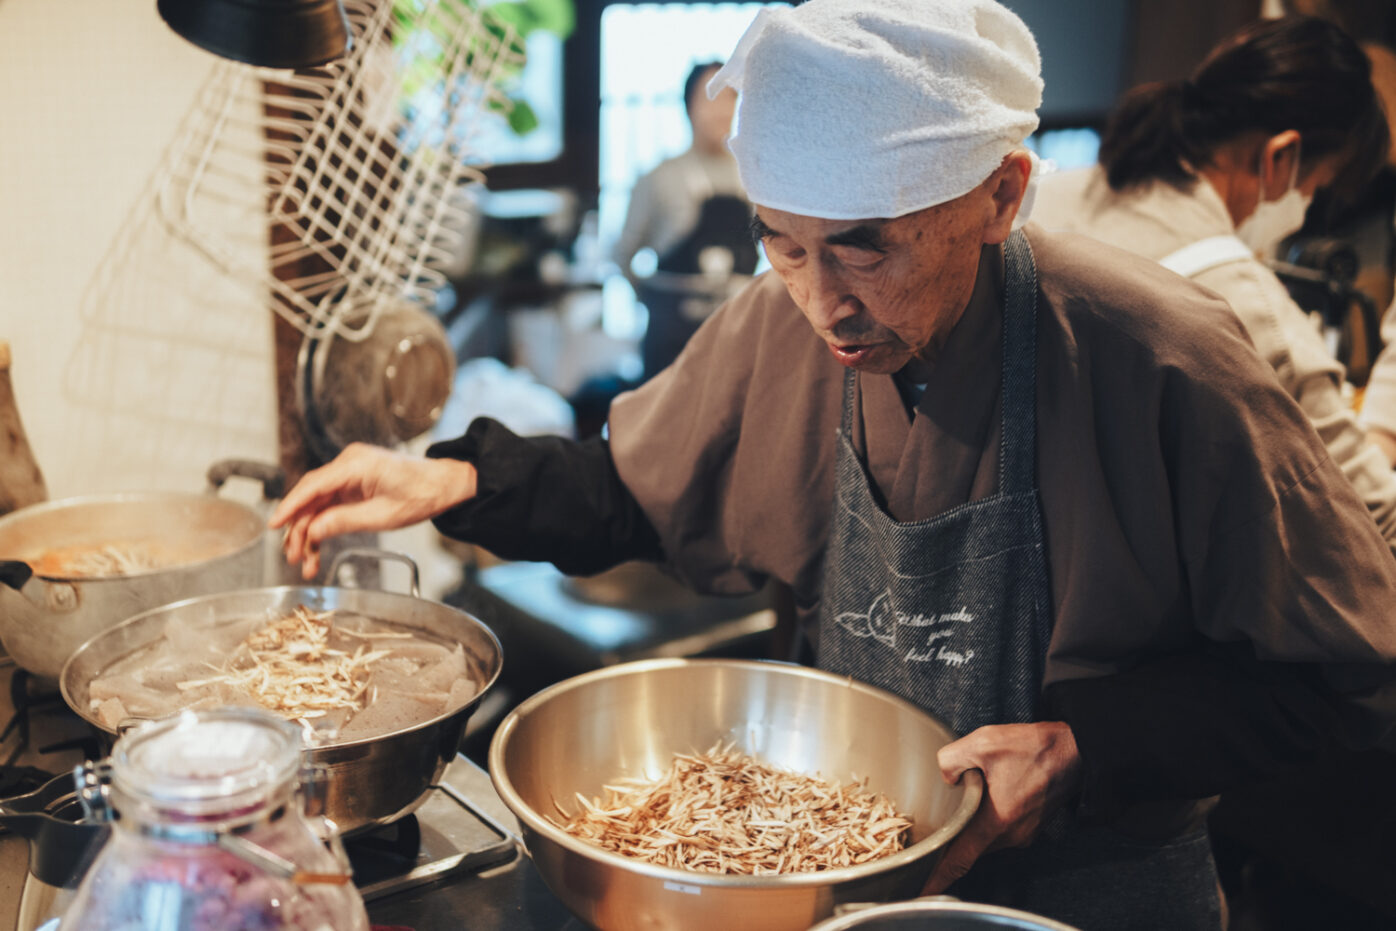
(44,617)
(372,781)
(630,720)
(939,914)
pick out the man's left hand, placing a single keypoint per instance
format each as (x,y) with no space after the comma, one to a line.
(1029,771)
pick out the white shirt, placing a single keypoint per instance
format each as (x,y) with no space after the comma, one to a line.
(664,203)
(1155,220)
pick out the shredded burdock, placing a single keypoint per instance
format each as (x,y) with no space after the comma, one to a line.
(726,812)
(101,560)
(289,667)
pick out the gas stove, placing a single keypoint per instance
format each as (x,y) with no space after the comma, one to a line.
(39,735)
(458,854)
(445,835)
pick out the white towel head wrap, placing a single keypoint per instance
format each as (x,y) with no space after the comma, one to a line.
(858,109)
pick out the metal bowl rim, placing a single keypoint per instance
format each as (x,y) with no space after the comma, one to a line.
(279,590)
(969,803)
(946,905)
(37,511)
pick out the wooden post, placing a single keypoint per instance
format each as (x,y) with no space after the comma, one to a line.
(21,480)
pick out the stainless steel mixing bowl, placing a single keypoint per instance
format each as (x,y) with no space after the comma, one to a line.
(630,720)
(939,913)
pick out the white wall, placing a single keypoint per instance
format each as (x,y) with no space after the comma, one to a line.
(137,362)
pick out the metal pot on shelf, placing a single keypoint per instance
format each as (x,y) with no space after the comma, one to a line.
(369,782)
(378,371)
(212,544)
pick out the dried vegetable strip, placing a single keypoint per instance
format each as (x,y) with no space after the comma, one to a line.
(105,560)
(726,812)
(289,667)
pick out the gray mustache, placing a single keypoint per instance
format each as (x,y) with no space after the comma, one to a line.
(848,332)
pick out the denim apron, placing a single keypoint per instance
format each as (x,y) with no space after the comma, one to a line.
(953,614)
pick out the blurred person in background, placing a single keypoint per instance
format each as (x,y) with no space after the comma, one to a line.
(1379,398)
(1209,174)
(691,211)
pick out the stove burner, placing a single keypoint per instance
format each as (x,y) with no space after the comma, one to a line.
(21,780)
(393,846)
(446,835)
(37,705)
(21,700)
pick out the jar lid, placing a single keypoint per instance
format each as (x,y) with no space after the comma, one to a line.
(201,763)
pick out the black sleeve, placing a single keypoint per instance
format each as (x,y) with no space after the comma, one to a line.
(546,499)
(1194,725)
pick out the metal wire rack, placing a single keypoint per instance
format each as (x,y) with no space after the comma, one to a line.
(345,182)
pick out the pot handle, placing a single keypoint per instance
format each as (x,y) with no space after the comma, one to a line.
(59,850)
(15,573)
(272,477)
(368,552)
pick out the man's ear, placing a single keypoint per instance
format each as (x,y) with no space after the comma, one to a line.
(1006,187)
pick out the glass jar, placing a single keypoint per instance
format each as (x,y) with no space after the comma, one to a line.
(210,832)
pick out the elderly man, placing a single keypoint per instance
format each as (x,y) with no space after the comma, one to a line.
(1000,480)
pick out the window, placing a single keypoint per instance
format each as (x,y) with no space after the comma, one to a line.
(540,84)
(1068,148)
(647,51)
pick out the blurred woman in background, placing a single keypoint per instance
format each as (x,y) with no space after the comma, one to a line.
(1208,174)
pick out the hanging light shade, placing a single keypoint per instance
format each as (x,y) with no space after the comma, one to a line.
(272,33)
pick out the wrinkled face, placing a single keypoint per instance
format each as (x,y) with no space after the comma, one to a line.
(883,292)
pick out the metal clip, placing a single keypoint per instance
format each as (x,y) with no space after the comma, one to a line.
(314,785)
(277,865)
(93,781)
(314,779)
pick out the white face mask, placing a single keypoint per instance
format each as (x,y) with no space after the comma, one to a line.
(1273,220)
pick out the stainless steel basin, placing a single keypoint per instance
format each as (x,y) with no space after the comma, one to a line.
(629,720)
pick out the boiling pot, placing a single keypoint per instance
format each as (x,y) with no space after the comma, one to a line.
(44,617)
(629,720)
(938,913)
(371,781)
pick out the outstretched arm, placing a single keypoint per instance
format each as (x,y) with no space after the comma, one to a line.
(367,488)
(535,498)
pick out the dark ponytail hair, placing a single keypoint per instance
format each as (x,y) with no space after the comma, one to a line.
(1297,72)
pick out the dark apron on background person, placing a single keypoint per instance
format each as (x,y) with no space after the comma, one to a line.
(953,614)
(676,308)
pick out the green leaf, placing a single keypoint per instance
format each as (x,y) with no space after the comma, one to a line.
(556,16)
(427,63)
(522,119)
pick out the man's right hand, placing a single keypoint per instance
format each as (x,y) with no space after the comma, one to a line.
(1029,771)
(366,488)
